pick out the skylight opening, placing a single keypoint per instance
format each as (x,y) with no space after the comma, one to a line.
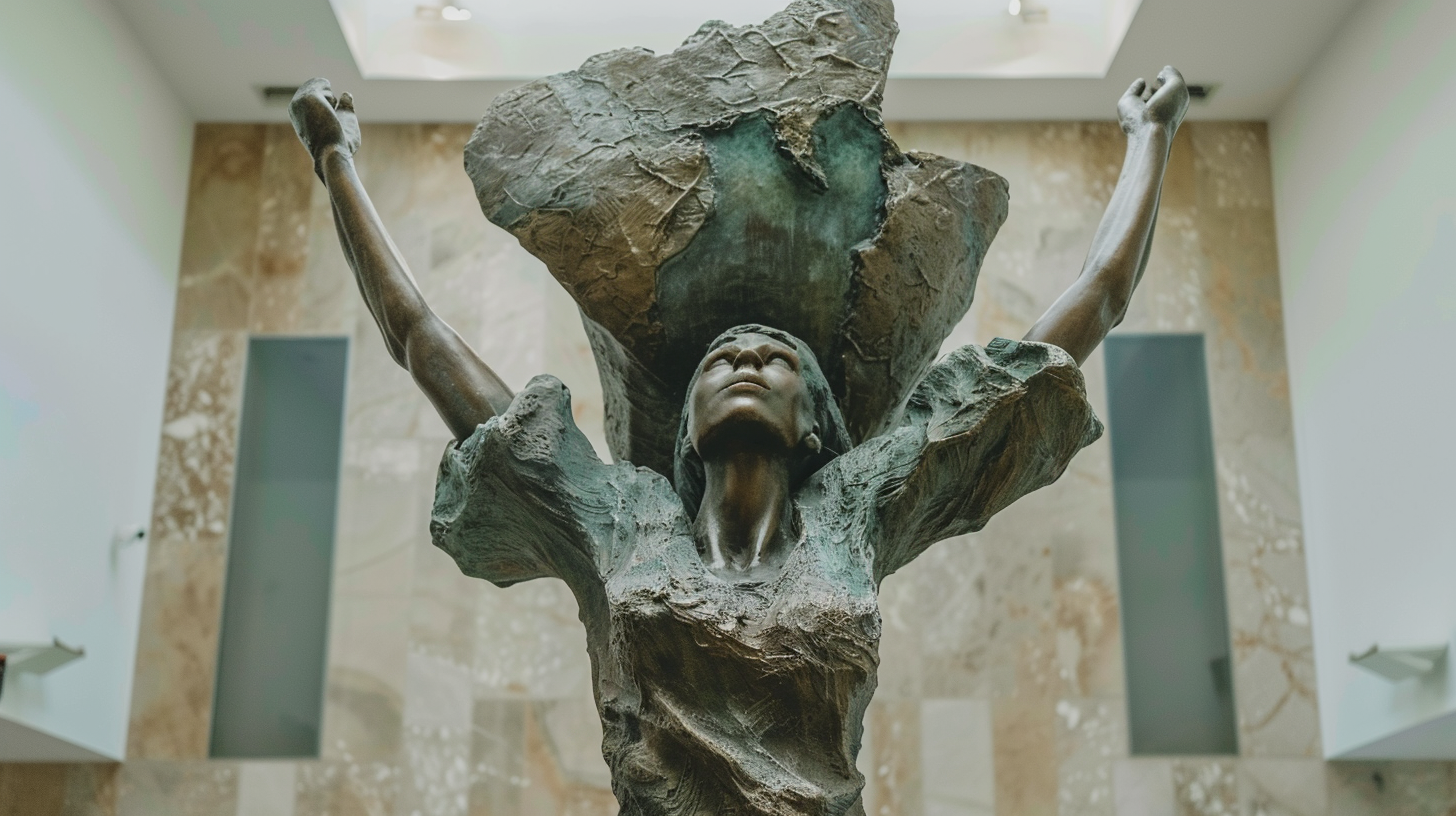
(489,39)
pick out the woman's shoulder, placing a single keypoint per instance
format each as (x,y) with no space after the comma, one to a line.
(537,426)
(537,438)
(526,495)
(972,380)
(957,395)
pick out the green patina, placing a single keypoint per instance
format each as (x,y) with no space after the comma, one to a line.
(779,245)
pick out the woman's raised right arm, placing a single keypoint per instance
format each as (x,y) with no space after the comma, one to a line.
(464,390)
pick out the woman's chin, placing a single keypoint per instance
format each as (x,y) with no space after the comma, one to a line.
(746,422)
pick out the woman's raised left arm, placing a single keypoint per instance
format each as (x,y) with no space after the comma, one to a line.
(1097,301)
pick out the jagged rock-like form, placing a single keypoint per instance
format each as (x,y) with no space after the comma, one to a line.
(745,177)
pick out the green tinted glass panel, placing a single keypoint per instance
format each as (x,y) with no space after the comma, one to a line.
(270,672)
(1174,618)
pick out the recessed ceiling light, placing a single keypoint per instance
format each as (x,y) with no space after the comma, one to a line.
(1015,8)
(448,13)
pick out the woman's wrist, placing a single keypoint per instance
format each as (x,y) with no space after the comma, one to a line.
(331,155)
(1151,134)
(333,152)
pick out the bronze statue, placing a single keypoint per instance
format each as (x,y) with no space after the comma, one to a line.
(728,587)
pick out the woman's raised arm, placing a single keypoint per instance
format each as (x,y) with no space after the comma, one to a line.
(461,386)
(1097,301)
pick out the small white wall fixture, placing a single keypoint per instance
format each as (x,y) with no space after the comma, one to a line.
(39,658)
(1400,664)
(35,658)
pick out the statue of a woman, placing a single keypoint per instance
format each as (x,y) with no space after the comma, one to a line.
(731,611)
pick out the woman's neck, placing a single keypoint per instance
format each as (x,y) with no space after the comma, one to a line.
(745,508)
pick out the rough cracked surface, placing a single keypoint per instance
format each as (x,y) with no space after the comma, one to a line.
(745,177)
(721,697)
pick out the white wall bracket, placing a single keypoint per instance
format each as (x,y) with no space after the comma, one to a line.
(39,658)
(1400,664)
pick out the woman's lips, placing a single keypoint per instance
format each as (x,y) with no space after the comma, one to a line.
(746,384)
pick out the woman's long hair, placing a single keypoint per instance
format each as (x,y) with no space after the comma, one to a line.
(688,475)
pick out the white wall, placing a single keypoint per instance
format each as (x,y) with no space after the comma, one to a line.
(1364,156)
(94,154)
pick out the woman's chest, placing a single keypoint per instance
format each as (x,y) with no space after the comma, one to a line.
(820,603)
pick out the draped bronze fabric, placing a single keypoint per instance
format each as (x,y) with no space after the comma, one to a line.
(748,697)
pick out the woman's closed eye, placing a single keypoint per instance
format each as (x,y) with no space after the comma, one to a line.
(784,360)
(724,356)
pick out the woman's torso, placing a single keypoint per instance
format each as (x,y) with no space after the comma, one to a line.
(738,697)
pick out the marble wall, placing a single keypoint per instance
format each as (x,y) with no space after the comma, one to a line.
(1002,683)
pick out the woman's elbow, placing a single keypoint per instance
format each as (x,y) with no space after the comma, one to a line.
(1114,308)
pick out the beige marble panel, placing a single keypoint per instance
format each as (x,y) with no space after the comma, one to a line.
(902,648)
(346,789)
(435,763)
(43,789)
(1282,787)
(573,731)
(267,788)
(280,259)
(443,620)
(957,767)
(199,435)
(171,712)
(529,643)
(1391,788)
(435,777)
(1205,787)
(894,788)
(1024,737)
(1143,787)
(1254,443)
(220,232)
(497,757)
(151,788)
(32,789)
(91,790)
(945,614)
(1091,737)
(557,781)
(182,600)
(381,520)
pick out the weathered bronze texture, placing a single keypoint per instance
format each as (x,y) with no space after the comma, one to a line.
(766,280)
(745,177)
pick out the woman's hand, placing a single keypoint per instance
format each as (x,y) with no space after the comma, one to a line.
(1162,105)
(324,123)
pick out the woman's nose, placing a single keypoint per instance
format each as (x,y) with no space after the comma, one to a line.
(748,356)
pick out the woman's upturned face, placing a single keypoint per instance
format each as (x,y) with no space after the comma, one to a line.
(749,389)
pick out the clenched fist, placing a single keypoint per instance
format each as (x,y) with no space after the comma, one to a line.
(324,122)
(1163,104)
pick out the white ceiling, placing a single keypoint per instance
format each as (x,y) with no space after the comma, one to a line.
(217,53)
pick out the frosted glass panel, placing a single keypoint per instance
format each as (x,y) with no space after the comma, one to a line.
(270,671)
(1174,619)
